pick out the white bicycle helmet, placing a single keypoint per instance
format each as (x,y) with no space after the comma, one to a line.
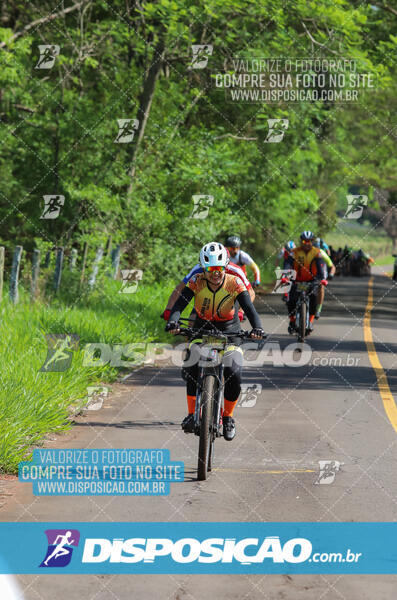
(307,236)
(213,254)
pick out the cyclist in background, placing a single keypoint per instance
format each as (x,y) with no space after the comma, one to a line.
(289,246)
(345,262)
(215,293)
(328,274)
(283,255)
(319,243)
(306,261)
(241,258)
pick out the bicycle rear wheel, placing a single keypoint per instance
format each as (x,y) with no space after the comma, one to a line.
(207,403)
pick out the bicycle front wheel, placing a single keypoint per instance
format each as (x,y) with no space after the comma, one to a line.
(215,425)
(302,322)
(207,403)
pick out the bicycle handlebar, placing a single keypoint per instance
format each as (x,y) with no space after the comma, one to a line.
(221,335)
(214,333)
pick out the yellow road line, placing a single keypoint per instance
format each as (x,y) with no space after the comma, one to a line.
(383,385)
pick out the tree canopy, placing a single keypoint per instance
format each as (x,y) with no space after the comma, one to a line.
(131,60)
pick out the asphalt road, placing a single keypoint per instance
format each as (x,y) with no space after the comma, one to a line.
(327,409)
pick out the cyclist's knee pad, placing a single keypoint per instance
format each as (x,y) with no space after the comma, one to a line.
(233,357)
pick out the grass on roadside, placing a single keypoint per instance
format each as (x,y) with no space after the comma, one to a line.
(34,403)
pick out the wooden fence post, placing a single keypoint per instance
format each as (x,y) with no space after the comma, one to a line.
(95,267)
(108,246)
(47,259)
(116,260)
(85,250)
(16,261)
(1,271)
(58,269)
(73,259)
(35,273)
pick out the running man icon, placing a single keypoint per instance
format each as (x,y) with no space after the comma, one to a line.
(59,546)
(48,54)
(59,351)
(59,551)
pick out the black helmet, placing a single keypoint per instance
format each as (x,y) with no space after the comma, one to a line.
(307,235)
(233,241)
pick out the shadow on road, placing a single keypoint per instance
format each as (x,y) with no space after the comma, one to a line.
(131,424)
(308,377)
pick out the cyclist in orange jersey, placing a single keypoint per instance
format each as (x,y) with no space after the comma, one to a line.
(215,293)
(306,260)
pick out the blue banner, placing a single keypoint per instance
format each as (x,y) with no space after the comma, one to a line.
(344,548)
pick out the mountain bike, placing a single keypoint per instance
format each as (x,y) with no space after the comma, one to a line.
(304,290)
(209,392)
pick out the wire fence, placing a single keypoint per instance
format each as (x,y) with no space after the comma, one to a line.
(52,266)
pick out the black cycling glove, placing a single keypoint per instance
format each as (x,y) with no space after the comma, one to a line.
(258,331)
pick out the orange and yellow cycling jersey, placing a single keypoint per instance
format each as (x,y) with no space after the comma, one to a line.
(305,264)
(216,305)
